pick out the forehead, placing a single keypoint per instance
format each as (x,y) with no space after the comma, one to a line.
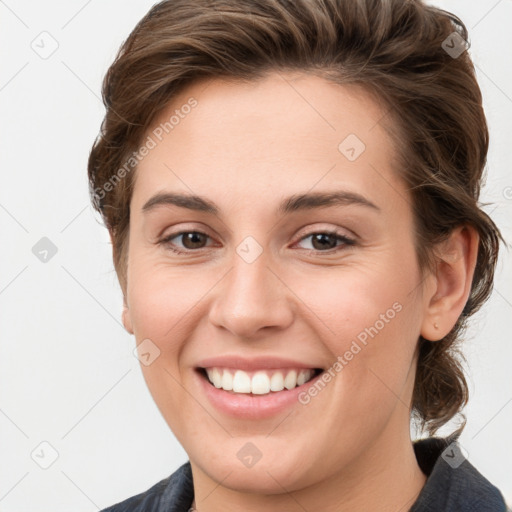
(270,133)
(283,104)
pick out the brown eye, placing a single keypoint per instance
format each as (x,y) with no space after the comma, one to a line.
(323,241)
(190,240)
(326,241)
(193,240)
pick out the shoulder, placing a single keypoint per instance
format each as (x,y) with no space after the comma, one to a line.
(172,494)
(453,483)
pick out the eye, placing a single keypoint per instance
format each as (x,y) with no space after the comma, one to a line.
(190,240)
(325,241)
(321,241)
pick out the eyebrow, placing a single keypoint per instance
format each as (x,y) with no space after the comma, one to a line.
(297,202)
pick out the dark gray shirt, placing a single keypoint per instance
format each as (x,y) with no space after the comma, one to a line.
(453,485)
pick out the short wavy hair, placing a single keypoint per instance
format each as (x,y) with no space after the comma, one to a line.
(410,55)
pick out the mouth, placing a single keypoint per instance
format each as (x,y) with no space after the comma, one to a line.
(260,382)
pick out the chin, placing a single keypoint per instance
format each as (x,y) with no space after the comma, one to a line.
(277,469)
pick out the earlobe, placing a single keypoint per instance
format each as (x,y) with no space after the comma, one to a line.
(456,260)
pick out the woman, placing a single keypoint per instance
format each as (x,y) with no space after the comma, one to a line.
(291,192)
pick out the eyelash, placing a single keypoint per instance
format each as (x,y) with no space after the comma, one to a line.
(347,242)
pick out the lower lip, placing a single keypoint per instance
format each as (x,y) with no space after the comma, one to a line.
(253,407)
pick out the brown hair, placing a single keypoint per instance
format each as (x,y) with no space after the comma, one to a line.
(398,50)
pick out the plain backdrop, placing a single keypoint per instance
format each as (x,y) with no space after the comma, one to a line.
(72,396)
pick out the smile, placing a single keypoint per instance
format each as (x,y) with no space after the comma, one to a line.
(259,382)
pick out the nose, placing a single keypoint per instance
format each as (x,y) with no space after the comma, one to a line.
(252,297)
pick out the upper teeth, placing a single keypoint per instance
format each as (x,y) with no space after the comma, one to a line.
(260,382)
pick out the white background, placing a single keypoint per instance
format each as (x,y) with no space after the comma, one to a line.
(67,372)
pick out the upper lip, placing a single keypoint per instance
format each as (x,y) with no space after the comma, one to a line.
(252,364)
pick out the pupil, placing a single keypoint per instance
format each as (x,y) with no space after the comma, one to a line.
(321,237)
(192,240)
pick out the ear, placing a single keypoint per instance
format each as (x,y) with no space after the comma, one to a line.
(127,321)
(126,318)
(456,260)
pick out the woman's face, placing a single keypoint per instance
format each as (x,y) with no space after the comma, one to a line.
(281,277)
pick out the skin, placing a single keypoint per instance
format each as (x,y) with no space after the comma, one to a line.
(246,147)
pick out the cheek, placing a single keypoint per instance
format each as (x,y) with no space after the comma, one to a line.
(162,300)
(163,308)
(357,303)
(370,324)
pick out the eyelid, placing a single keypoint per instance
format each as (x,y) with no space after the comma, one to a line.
(322,228)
